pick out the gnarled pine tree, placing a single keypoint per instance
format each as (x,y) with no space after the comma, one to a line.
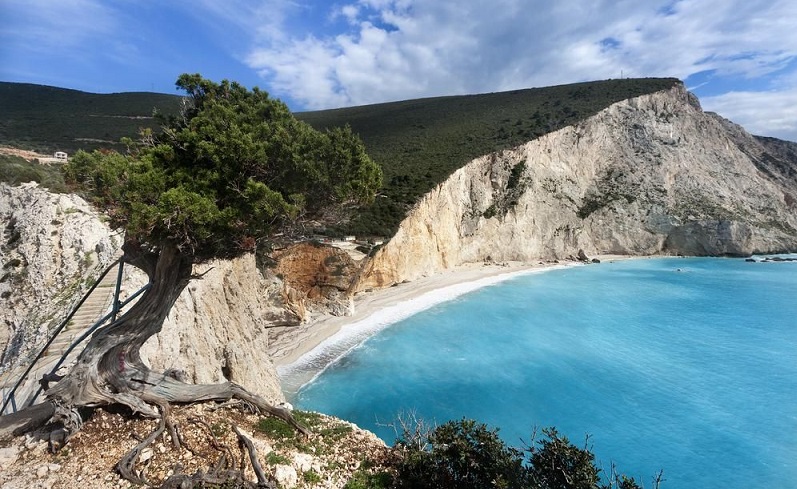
(233,167)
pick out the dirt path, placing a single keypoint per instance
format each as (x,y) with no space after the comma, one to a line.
(23,153)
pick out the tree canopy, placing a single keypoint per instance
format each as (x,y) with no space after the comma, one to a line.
(233,166)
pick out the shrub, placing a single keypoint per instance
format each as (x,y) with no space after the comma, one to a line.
(462,455)
(555,462)
(15,170)
(275,428)
(466,454)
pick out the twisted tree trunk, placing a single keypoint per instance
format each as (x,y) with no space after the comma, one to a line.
(110,371)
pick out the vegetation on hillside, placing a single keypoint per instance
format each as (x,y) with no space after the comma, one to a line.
(466,454)
(15,170)
(419,143)
(48,119)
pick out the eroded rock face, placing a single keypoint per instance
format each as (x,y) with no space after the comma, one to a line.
(653,174)
(51,247)
(322,274)
(218,328)
(54,245)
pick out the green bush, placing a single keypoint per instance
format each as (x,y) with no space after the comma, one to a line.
(15,170)
(555,462)
(275,428)
(466,454)
(363,479)
(461,455)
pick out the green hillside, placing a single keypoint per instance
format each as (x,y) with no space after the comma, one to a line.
(48,119)
(418,142)
(421,142)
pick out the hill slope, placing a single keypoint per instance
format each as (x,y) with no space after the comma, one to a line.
(48,119)
(649,175)
(419,143)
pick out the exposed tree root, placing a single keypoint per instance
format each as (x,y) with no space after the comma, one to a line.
(126,466)
(158,391)
(226,452)
(201,479)
(262,480)
(172,390)
(26,420)
(224,471)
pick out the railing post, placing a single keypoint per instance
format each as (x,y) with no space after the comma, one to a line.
(116,291)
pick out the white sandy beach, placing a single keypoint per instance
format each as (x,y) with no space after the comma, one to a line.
(306,350)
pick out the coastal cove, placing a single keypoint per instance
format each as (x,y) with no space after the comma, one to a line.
(304,354)
(681,364)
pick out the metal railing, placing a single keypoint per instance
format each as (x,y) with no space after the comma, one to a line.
(9,398)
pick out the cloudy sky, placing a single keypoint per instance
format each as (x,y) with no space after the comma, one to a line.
(738,56)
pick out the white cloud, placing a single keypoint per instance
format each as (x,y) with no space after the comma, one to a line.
(264,19)
(399,49)
(348,12)
(770,113)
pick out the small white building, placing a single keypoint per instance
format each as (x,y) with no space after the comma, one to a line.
(349,238)
(60,155)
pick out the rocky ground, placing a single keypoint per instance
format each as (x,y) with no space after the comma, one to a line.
(326,459)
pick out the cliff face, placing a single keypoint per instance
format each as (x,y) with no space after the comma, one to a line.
(217,330)
(54,246)
(51,247)
(653,174)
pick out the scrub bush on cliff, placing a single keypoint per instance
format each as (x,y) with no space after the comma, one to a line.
(466,454)
(460,454)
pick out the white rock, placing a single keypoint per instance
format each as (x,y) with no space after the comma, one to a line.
(286,476)
(303,462)
(146,454)
(8,455)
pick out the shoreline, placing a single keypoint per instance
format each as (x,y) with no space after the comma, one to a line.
(305,353)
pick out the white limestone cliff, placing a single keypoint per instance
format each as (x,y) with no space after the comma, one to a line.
(51,248)
(653,174)
(217,330)
(55,245)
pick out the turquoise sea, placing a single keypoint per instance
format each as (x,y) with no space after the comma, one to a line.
(683,364)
